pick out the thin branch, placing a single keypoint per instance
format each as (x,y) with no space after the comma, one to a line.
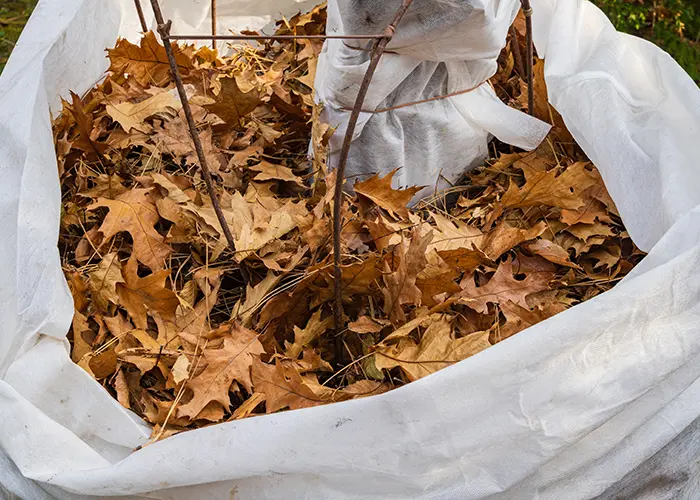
(164,31)
(529,48)
(142,18)
(213,23)
(276,37)
(378,48)
(517,55)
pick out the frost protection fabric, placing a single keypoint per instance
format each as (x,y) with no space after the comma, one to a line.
(565,409)
(441,47)
(630,106)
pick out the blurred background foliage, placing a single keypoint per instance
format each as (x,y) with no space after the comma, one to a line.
(674,25)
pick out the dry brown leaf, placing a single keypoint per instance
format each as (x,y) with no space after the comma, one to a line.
(142,295)
(255,298)
(454,235)
(503,287)
(232,362)
(304,337)
(546,188)
(270,171)
(283,387)
(134,212)
(552,252)
(78,287)
(392,200)
(121,386)
(248,406)
(366,324)
(504,237)
(231,104)
(80,346)
(102,364)
(519,318)
(400,283)
(436,350)
(437,279)
(131,116)
(586,231)
(104,279)
(147,62)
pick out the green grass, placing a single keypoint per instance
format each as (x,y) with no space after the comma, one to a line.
(674,25)
(13,16)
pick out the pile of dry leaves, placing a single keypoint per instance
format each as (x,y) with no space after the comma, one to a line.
(186,333)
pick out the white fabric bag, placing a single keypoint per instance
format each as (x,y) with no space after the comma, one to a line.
(443,47)
(564,409)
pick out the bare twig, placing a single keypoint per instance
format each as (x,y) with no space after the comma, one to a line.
(213,23)
(164,31)
(276,37)
(142,18)
(378,48)
(529,49)
(517,55)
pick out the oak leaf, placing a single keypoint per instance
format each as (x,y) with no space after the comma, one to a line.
(148,63)
(141,295)
(283,387)
(392,200)
(255,299)
(104,279)
(80,346)
(78,287)
(552,252)
(231,103)
(85,124)
(586,231)
(400,283)
(304,337)
(437,279)
(465,259)
(504,237)
(436,350)
(502,287)
(519,318)
(248,406)
(367,324)
(131,116)
(232,362)
(134,212)
(454,234)
(269,171)
(546,188)
(358,278)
